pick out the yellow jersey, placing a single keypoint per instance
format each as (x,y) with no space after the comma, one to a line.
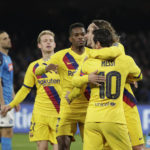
(48,94)
(106,103)
(68,62)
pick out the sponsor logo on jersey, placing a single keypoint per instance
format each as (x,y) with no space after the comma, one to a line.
(71,73)
(105,104)
(70,62)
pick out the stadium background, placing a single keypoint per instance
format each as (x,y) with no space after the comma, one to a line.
(24,20)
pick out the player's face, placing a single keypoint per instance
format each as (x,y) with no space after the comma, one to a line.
(89,34)
(77,37)
(5,42)
(47,43)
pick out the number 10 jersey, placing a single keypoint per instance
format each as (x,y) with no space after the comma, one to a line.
(106,101)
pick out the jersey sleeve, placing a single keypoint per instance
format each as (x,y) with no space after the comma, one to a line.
(74,93)
(108,53)
(79,78)
(41,69)
(29,79)
(135,72)
(20,96)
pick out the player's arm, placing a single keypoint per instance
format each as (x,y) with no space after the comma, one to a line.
(108,52)
(80,78)
(53,64)
(2,102)
(135,73)
(23,92)
(1,94)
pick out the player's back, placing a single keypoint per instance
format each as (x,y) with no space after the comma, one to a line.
(106,101)
(6,75)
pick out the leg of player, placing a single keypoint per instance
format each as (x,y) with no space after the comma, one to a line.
(6,138)
(64,142)
(42,145)
(138,147)
(55,147)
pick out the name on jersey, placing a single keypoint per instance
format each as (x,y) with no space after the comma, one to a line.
(71,73)
(106,63)
(105,104)
(47,82)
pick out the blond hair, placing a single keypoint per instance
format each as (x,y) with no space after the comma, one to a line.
(44,32)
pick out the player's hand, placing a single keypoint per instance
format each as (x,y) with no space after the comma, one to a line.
(17,108)
(67,98)
(96,79)
(5,109)
(52,67)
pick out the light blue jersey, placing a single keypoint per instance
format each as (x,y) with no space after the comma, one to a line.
(6,75)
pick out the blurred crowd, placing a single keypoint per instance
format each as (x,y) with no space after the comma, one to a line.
(136,45)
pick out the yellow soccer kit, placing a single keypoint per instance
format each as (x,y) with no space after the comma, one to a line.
(130,108)
(47,102)
(106,103)
(68,61)
(132,116)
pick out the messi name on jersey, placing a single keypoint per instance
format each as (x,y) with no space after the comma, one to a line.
(106,63)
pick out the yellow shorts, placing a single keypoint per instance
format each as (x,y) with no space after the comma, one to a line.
(97,134)
(134,125)
(43,128)
(67,125)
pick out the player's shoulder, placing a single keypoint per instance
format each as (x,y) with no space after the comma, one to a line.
(36,62)
(62,52)
(90,61)
(124,57)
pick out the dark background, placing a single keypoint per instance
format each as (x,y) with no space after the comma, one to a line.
(24,20)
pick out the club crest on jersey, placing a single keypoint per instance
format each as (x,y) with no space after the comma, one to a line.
(70,62)
(10,67)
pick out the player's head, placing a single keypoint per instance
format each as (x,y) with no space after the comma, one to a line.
(102,38)
(77,34)
(46,41)
(5,42)
(101,24)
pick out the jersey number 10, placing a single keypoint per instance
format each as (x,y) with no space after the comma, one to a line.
(108,83)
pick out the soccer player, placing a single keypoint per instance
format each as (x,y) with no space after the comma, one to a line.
(68,61)
(130,108)
(6,91)
(47,101)
(105,120)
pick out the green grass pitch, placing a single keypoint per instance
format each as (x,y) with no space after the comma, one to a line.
(21,142)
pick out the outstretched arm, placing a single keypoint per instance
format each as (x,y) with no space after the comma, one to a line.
(20,96)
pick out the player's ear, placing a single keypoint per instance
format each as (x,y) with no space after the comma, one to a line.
(39,45)
(98,45)
(70,39)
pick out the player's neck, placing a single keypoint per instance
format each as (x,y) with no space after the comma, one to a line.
(4,51)
(78,50)
(47,55)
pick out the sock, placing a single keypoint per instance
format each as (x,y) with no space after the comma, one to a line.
(6,143)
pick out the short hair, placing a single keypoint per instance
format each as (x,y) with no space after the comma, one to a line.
(76,25)
(2,31)
(103,36)
(44,32)
(103,24)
